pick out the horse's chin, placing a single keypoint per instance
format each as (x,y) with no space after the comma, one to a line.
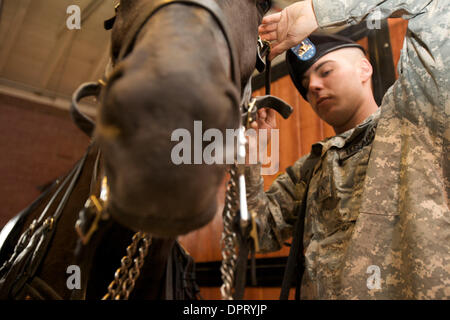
(162,223)
(165,202)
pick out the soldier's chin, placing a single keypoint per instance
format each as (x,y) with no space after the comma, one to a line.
(333,116)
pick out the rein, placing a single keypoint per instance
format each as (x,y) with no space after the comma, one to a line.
(34,243)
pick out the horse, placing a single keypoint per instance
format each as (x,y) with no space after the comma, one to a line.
(172,62)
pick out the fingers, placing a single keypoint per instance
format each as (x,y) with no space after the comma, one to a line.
(271,18)
(274,52)
(269,25)
(262,114)
(261,119)
(269,36)
(279,48)
(288,27)
(266,119)
(270,113)
(268,31)
(267,28)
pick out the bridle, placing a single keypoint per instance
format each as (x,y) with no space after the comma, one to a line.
(242,234)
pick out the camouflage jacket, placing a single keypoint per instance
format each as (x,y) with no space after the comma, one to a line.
(377,224)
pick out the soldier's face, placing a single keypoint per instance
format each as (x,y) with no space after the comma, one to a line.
(335,88)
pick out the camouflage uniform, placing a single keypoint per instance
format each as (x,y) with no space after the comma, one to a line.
(378,198)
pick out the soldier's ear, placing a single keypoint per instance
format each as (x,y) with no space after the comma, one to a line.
(366,70)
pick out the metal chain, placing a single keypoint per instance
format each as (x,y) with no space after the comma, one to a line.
(229,237)
(125,277)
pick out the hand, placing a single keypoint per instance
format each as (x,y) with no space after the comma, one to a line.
(288,27)
(266,119)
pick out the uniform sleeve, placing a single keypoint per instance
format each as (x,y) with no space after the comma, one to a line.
(341,12)
(276,208)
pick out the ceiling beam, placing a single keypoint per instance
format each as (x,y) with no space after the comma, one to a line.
(60,49)
(13,32)
(99,67)
(19,90)
(64,43)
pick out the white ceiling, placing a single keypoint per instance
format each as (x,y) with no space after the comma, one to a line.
(41,57)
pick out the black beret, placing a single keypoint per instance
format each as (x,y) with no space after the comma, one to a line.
(301,57)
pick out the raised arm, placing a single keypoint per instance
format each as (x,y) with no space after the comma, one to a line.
(421,92)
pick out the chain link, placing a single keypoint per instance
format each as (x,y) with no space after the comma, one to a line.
(229,237)
(130,269)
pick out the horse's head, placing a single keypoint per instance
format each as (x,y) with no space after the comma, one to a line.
(174,69)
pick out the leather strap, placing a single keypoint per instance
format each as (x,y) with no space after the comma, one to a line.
(295,265)
(246,247)
(11,232)
(38,289)
(268,101)
(244,240)
(25,261)
(169,292)
(83,122)
(85,253)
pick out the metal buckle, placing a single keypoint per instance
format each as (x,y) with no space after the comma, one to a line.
(251,112)
(93,206)
(254,231)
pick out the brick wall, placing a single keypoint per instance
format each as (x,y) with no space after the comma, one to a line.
(38,143)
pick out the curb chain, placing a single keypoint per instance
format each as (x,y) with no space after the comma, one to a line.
(125,277)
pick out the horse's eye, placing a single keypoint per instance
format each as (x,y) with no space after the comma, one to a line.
(264,5)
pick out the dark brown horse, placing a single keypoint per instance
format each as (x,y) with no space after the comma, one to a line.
(175,76)
(174,69)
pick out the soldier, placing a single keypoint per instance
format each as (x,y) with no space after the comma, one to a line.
(374,197)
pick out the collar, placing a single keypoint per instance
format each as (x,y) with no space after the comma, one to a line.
(341,140)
